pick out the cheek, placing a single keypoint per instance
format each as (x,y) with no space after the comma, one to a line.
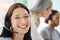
(14,23)
(49,12)
(28,21)
(56,21)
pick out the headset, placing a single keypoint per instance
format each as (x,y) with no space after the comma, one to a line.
(50,18)
(10,30)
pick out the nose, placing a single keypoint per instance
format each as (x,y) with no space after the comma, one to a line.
(23,21)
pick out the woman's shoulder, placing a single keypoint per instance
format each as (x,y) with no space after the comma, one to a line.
(5,38)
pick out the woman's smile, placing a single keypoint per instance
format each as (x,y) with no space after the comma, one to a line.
(23,26)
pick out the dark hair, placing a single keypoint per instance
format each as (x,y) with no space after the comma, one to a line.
(7,22)
(51,15)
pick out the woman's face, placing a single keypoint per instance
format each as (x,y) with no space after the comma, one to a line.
(47,12)
(20,20)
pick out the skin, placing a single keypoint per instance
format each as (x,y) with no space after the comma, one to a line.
(47,12)
(54,21)
(20,21)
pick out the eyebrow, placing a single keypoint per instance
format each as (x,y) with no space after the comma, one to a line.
(16,15)
(24,14)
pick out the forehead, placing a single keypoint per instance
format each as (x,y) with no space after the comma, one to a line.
(20,11)
(56,15)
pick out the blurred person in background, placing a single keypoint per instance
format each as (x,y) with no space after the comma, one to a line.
(58,28)
(42,8)
(50,33)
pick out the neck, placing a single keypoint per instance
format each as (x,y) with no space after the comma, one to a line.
(52,26)
(39,15)
(18,36)
(45,16)
(38,18)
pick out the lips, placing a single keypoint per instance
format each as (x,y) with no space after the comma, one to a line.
(23,26)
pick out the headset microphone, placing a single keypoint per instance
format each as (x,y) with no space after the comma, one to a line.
(9,30)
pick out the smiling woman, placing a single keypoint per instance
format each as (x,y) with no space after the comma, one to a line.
(17,23)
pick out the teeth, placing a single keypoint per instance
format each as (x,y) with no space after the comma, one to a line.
(22,26)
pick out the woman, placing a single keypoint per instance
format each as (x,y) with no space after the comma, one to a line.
(17,23)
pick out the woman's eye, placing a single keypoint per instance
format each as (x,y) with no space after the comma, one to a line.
(17,17)
(26,16)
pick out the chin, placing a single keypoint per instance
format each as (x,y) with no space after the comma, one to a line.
(24,32)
